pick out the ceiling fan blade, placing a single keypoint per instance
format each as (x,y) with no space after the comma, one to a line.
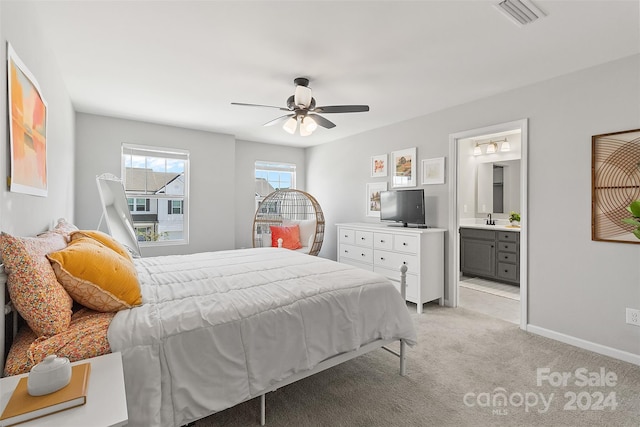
(280,119)
(259,105)
(321,121)
(342,109)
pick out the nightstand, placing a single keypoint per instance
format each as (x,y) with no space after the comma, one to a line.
(106,399)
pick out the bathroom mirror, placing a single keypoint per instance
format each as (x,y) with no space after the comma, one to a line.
(498,187)
(115,212)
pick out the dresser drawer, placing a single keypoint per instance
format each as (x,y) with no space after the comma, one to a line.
(394,260)
(383,241)
(346,236)
(508,236)
(507,247)
(405,244)
(357,253)
(507,271)
(507,257)
(364,238)
(394,275)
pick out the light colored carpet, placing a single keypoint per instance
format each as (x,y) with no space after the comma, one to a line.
(460,353)
(495,288)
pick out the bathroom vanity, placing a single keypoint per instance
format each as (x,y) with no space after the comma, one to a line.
(491,252)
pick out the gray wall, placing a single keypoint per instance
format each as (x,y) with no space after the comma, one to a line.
(247,153)
(212,168)
(22,214)
(577,287)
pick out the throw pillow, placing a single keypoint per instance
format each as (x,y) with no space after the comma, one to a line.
(290,236)
(32,284)
(103,238)
(96,276)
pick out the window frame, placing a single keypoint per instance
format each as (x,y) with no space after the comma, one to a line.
(128,149)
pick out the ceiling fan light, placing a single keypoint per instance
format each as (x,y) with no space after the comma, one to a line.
(302,96)
(290,125)
(309,124)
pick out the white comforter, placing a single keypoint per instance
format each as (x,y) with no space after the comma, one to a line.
(217,328)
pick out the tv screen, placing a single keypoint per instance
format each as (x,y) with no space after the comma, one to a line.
(402,206)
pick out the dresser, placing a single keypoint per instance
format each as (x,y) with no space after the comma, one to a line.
(383,249)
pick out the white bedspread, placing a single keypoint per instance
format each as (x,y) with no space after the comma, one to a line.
(217,328)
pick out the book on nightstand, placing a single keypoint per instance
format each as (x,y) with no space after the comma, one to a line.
(23,407)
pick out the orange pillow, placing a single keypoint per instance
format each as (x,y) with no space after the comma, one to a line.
(103,238)
(96,276)
(290,236)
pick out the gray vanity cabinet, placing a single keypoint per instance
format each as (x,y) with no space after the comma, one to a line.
(491,254)
(477,252)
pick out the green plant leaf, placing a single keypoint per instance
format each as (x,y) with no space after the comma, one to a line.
(631,221)
(634,208)
(636,232)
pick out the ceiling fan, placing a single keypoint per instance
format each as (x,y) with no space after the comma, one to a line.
(302,110)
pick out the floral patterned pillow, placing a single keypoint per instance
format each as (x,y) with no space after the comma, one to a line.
(32,284)
(65,228)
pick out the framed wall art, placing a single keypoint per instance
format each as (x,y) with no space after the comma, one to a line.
(615,178)
(433,171)
(27,129)
(379,166)
(373,197)
(403,163)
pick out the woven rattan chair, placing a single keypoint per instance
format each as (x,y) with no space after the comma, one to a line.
(289,208)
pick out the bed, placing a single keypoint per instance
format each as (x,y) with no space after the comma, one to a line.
(216,329)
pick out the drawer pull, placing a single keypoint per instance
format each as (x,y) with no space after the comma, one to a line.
(362,254)
(346,251)
(404,243)
(404,262)
(381,241)
(362,238)
(381,258)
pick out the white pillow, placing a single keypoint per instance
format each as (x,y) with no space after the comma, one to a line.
(307,230)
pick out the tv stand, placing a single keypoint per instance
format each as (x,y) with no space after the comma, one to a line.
(383,248)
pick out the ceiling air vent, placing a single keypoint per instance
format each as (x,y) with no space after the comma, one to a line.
(521,12)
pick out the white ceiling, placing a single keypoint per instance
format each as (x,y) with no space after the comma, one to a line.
(183,62)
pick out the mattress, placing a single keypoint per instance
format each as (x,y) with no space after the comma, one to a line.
(218,328)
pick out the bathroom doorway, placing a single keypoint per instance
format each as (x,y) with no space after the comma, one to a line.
(489,182)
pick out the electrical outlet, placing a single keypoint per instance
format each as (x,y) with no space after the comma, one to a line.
(633,316)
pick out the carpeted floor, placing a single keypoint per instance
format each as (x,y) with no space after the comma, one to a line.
(463,365)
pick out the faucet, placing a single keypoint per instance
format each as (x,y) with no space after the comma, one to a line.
(490,221)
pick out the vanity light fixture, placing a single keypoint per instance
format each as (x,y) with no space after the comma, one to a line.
(492,147)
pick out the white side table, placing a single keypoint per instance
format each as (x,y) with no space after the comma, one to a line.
(106,399)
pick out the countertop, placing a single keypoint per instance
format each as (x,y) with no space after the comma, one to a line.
(501,227)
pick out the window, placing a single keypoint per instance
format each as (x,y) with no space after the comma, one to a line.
(156,184)
(271,176)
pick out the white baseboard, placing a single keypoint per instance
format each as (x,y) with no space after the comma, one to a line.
(587,345)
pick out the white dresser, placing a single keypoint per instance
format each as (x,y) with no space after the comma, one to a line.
(383,249)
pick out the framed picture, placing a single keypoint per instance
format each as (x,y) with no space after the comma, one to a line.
(433,171)
(615,179)
(27,129)
(404,168)
(379,166)
(373,197)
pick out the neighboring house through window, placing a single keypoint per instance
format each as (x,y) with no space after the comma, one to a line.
(271,176)
(156,184)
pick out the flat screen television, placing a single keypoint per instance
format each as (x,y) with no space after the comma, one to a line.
(404,207)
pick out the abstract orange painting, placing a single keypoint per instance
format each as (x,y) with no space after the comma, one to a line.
(27,129)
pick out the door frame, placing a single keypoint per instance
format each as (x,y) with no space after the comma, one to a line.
(454,213)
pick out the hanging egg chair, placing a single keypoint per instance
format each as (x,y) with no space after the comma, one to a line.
(293,216)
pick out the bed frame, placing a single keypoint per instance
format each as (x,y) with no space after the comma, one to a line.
(8,309)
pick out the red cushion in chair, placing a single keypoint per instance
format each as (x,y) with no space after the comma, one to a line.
(290,236)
